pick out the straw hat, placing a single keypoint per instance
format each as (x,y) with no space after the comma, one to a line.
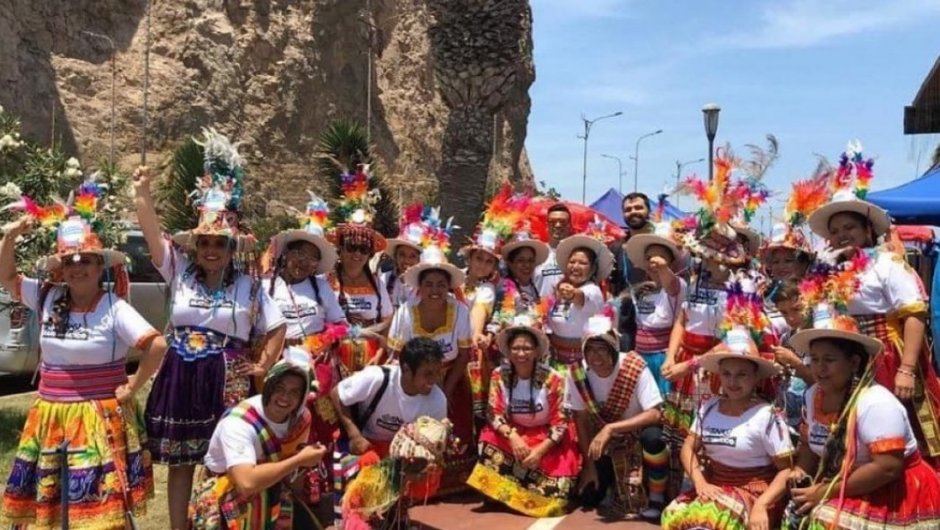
(356,210)
(433,237)
(849,186)
(738,343)
(600,327)
(605,259)
(827,324)
(524,239)
(314,224)
(663,235)
(526,322)
(218,194)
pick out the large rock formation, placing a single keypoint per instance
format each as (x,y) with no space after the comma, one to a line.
(449,82)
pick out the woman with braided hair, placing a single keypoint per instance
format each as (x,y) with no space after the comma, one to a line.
(361,293)
(529,458)
(858,465)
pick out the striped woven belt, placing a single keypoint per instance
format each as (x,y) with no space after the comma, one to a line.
(74,383)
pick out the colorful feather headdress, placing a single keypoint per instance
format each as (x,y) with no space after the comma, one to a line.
(848,188)
(218,192)
(313,223)
(503,214)
(726,200)
(80,226)
(356,209)
(744,309)
(834,282)
(806,196)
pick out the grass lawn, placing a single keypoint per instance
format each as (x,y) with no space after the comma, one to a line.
(13,417)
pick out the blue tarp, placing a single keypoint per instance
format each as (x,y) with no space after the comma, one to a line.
(913,203)
(609,205)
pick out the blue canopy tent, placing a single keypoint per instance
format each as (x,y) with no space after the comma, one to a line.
(913,203)
(609,205)
(918,203)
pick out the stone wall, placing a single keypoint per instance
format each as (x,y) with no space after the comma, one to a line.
(270,73)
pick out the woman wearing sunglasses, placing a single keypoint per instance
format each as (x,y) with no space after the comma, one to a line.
(215,312)
(361,293)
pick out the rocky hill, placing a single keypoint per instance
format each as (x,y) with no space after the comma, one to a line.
(448,94)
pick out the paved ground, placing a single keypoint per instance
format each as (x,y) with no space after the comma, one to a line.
(466,513)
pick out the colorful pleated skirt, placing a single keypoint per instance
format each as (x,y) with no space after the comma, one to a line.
(109,464)
(539,492)
(194,387)
(911,503)
(741,487)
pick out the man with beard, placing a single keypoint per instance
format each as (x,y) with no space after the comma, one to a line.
(549,273)
(636,216)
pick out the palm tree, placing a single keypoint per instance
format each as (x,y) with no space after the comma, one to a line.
(173,194)
(480,51)
(343,146)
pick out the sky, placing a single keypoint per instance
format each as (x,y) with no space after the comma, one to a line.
(815,74)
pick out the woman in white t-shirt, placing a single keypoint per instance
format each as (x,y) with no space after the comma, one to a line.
(216,311)
(85,398)
(738,454)
(586,263)
(659,301)
(529,459)
(867,471)
(362,296)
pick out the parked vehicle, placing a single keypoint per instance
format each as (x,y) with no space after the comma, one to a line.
(19,344)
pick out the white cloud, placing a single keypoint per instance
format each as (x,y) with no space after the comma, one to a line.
(807,23)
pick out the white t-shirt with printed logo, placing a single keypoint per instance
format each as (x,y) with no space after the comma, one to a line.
(298,304)
(646,394)
(526,413)
(881,422)
(454,335)
(402,293)
(234,442)
(100,336)
(227,312)
(395,408)
(658,310)
(363,301)
(547,275)
(752,439)
(567,320)
(704,310)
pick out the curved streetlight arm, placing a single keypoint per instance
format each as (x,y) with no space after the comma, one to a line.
(636,158)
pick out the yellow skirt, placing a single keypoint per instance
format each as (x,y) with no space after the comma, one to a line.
(108,463)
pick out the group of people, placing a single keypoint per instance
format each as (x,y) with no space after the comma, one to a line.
(691,373)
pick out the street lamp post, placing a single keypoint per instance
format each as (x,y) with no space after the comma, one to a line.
(710,112)
(679,166)
(619,172)
(587,132)
(636,157)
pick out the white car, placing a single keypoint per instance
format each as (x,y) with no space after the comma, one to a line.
(19,351)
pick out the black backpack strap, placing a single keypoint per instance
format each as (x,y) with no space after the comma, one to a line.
(367,413)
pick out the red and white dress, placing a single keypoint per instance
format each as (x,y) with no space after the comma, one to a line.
(881,426)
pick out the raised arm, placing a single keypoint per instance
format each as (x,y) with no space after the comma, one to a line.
(147,216)
(8,251)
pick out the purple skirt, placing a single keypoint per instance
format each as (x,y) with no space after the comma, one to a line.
(191,392)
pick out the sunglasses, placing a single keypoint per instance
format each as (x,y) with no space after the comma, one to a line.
(302,255)
(218,243)
(361,249)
